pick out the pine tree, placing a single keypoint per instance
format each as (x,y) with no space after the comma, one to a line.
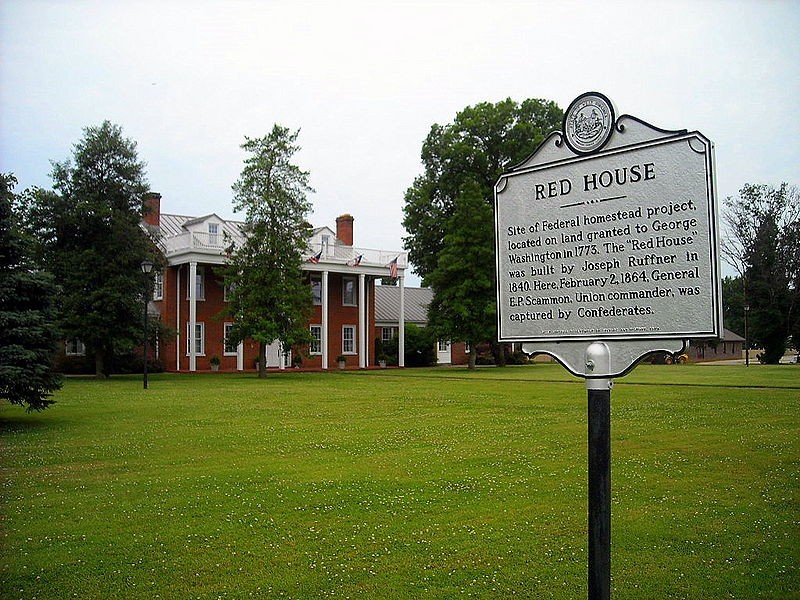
(269,297)
(28,335)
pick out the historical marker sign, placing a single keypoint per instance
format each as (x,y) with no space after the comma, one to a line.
(608,232)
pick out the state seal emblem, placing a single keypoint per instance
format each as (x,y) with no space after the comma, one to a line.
(588,123)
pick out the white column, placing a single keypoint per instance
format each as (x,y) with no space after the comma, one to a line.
(240,357)
(178,319)
(324,319)
(362,321)
(281,357)
(401,345)
(192,283)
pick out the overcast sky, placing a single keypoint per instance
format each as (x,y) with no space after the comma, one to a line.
(364,81)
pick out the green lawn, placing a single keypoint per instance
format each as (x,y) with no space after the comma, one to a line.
(410,484)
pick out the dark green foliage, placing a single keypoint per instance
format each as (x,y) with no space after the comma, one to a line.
(89,236)
(420,347)
(269,297)
(28,335)
(477,147)
(448,209)
(463,307)
(764,245)
(733,304)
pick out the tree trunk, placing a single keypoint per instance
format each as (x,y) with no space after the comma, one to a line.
(473,358)
(100,365)
(262,360)
(499,354)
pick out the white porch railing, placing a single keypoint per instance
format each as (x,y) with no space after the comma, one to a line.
(217,244)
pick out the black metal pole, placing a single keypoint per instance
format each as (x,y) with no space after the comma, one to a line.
(599,494)
(144,381)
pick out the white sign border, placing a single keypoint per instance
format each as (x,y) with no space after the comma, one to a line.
(659,137)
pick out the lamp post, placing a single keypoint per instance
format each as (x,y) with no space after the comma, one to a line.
(746,341)
(147,267)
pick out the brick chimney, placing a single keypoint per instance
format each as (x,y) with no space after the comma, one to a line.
(344,229)
(152,209)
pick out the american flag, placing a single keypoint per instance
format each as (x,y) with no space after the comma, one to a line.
(393,268)
(316,257)
(355,261)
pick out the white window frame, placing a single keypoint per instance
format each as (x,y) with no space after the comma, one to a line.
(349,345)
(200,283)
(345,298)
(316,340)
(199,339)
(388,333)
(443,345)
(316,280)
(74,347)
(213,234)
(158,286)
(226,351)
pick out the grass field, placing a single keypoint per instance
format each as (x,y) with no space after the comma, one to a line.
(410,484)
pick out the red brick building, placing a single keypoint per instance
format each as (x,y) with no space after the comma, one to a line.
(342,278)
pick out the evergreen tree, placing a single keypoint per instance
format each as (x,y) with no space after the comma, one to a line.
(28,335)
(462,162)
(89,237)
(763,225)
(269,297)
(463,307)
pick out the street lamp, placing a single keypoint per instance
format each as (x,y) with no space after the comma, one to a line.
(746,341)
(147,268)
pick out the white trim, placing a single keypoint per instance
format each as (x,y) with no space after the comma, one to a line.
(362,321)
(311,328)
(348,279)
(192,314)
(401,329)
(74,347)
(225,351)
(354,350)
(325,304)
(158,285)
(200,272)
(199,336)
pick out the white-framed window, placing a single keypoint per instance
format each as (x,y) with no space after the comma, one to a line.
(316,340)
(316,289)
(467,348)
(348,339)
(198,339)
(75,347)
(388,333)
(158,286)
(444,345)
(226,291)
(326,240)
(200,285)
(213,234)
(349,287)
(228,348)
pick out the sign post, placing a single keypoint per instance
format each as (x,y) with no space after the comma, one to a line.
(607,250)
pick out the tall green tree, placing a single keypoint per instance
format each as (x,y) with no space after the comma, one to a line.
(465,275)
(762,244)
(463,160)
(269,297)
(28,334)
(89,237)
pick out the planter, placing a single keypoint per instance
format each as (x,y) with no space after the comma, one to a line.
(342,364)
(215,367)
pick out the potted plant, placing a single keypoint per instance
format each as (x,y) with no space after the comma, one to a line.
(214,362)
(297,361)
(341,359)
